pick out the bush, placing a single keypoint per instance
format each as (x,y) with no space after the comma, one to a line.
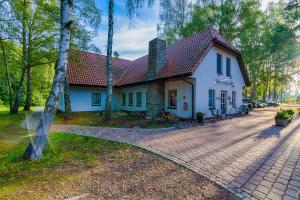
(200,115)
(285,114)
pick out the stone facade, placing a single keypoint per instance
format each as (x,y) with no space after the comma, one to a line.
(155,98)
(157,57)
(156,90)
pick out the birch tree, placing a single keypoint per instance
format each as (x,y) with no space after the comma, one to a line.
(37,143)
(132,9)
(108,106)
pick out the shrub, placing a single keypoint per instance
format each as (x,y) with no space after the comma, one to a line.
(200,115)
(285,114)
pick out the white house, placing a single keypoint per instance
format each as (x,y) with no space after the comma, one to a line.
(192,75)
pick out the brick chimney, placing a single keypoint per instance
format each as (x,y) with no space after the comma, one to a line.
(157,57)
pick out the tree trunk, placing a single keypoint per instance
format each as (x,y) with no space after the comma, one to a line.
(37,143)
(7,76)
(275,86)
(265,86)
(29,70)
(28,92)
(108,114)
(19,93)
(68,109)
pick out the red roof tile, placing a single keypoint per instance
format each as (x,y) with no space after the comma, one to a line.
(86,68)
(183,57)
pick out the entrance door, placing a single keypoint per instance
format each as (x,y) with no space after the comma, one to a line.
(223,102)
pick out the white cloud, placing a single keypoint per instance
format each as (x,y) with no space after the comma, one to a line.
(131,36)
(130,39)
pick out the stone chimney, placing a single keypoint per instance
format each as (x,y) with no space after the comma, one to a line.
(157,57)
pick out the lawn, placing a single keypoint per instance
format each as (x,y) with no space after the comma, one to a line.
(64,155)
(95,168)
(120,119)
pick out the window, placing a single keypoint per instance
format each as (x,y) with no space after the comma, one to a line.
(130,96)
(124,99)
(211,98)
(172,99)
(96,99)
(228,67)
(233,99)
(219,63)
(139,99)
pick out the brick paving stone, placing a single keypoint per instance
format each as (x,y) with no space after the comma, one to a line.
(282,181)
(289,198)
(267,184)
(292,193)
(280,192)
(295,183)
(263,189)
(248,153)
(274,196)
(259,194)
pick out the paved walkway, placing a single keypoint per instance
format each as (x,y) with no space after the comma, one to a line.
(248,156)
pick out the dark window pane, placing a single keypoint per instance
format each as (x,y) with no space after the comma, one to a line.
(130,103)
(211,98)
(139,99)
(228,67)
(124,99)
(219,64)
(96,99)
(172,99)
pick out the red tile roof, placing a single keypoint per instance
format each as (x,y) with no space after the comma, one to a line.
(183,57)
(86,68)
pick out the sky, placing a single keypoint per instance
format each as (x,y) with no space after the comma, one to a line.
(131,36)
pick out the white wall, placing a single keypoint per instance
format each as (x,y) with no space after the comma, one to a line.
(206,76)
(81,98)
(184,94)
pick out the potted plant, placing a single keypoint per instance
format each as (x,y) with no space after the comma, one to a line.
(200,117)
(284,117)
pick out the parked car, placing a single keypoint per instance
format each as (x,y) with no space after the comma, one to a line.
(249,102)
(273,104)
(260,104)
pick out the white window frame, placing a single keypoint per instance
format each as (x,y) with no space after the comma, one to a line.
(172,98)
(213,99)
(233,98)
(221,64)
(96,104)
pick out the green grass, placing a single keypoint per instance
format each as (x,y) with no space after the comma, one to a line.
(120,119)
(64,154)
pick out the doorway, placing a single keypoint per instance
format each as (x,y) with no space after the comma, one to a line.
(223,102)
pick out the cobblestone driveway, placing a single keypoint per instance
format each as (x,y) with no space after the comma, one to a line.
(248,156)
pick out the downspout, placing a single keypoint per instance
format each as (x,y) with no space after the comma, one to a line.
(193,97)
